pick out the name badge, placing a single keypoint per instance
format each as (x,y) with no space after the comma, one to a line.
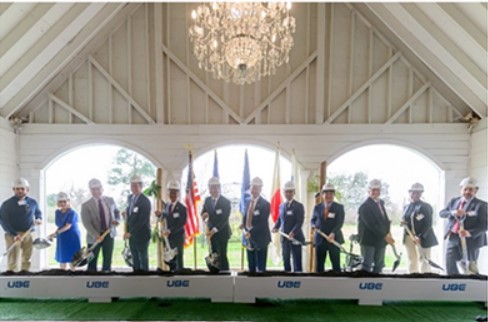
(471,213)
(135,210)
(331,215)
(256,213)
(176,215)
(22,203)
(218,211)
(289,212)
(419,217)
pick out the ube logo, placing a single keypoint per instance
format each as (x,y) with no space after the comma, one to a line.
(454,287)
(289,284)
(178,283)
(370,286)
(97,284)
(18,284)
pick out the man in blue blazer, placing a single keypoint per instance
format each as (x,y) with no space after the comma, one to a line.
(328,217)
(175,215)
(373,229)
(138,233)
(256,228)
(290,221)
(217,209)
(474,213)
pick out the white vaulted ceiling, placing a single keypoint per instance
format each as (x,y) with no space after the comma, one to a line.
(447,42)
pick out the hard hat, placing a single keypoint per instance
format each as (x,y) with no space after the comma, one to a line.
(257,182)
(328,187)
(374,184)
(62,196)
(468,182)
(136,179)
(214,181)
(21,183)
(173,185)
(289,186)
(417,187)
(94,183)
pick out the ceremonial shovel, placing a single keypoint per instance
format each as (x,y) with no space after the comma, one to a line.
(11,248)
(213,259)
(169,253)
(398,258)
(295,241)
(84,255)
(343,250)
(412,237)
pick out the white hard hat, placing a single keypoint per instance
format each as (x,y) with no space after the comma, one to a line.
(94,183)
(62,196)
(290,185)
(214,181)
(21,183)
(468,182)
(374,184)
(417,187)
(173,185)
(136,179)
(328,187)
(257,182)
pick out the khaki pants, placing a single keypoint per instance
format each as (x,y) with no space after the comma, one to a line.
(24,247)
(414,258)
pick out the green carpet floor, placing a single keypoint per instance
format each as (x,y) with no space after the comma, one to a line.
(266,310)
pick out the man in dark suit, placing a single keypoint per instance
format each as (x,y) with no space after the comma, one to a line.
(256,228)
(373,229)
(328,217)
(98,214)
(418,218)
(217,209)
(473,212)
(138,233)
(175,215)
(290,221)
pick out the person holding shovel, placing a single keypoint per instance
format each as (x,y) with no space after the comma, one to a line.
(18,215)
(67,233)
(328,218)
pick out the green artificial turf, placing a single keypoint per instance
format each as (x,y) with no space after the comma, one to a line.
(265,310)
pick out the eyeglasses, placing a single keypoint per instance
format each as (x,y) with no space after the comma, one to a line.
(62,201)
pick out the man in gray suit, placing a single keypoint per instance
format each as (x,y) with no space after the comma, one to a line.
(98,214)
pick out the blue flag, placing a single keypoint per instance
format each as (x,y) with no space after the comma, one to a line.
(246,186)
(216,165)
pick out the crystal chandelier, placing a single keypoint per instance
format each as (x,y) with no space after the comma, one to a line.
(242,41)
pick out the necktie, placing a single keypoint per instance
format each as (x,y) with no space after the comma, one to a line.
(326,212)
(101,211)
(214,203)
(250,214)
(381,208)
(455,228)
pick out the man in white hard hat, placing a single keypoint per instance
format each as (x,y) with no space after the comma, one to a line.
(373,229)
(98,214)
(138,214)
(18,215)
(328,217)
(417,216)
(290,221)
(255,224)
(175,214)
(472,212)
(216,209)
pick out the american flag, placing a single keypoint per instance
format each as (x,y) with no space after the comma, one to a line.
(192,225)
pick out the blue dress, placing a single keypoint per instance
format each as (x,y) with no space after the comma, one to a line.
(68,242)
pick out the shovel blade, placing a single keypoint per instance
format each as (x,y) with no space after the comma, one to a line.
(396,264)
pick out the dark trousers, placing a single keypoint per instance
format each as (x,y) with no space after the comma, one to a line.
(107,246)
(219,246)
(256,260)
(373,258)
(321,255)
(288,249)
(454,253)
(138,248)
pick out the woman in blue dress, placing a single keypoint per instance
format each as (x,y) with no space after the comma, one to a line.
(68,232)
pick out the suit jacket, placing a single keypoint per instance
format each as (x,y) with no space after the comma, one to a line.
(475,222)
(138,220)
(373,226)
(332,224)
(420,214)
(90,217)
(175,220)
(218,216)
(260,234)
(290,219)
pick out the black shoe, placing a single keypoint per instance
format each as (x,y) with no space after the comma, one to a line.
(481,318)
